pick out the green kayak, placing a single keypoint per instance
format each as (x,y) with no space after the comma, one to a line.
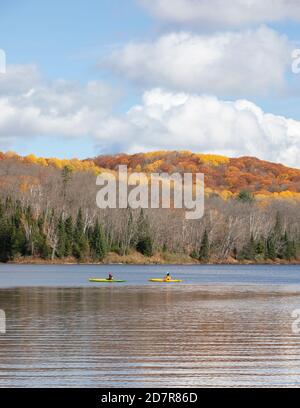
(106,280)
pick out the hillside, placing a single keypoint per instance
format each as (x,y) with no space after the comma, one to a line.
(48,212)
(226,176)
(222,174)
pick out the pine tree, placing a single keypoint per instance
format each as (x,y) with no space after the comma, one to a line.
(204,248)
(288,251)
(44,249)
(194,254)
(144,243)
(80,243)
(145,246)
(245,196)
(18,241)
(98,242)
(260,247)
(4,239)
(66,175)
(61,246)
(270,247)
(68,227)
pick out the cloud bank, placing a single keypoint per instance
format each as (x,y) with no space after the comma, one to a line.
(32,106)
(167,120)
(223,14)
(250,62)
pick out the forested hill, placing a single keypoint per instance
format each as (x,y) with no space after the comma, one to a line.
(226,176)
(221,173)
(48,211)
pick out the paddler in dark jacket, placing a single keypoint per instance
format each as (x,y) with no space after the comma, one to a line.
(168,277)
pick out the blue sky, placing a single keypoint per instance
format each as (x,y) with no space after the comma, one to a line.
(66,39)
(126,86)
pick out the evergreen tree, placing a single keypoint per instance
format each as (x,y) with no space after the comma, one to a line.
(61,246)
(260,247)
(249,250)
(18,241)
(43,247)
(68,228)
(288,251)
(270,247)
(98,242)
(278,226)
(66,175)
(194,254)
(145,246)
(204,248)
(245,196)
(80,243)
(144,243)
(4,239)
(235,252)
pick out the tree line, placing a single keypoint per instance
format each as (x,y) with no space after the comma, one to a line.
(51,213)
(50,235)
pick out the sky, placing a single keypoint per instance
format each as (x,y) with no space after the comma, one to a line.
(95,77)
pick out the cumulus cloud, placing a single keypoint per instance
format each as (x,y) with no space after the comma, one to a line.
(32,106)
(220,13)
(167,120)
(163,120)
(250,62)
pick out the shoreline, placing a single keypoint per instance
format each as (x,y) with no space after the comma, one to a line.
(138,259)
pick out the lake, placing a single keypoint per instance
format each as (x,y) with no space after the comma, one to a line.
(223,326)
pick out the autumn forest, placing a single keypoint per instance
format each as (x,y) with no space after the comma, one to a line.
(48,212)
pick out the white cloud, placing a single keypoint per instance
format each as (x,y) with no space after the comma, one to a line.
(204,124)
(163,120)
(19,78)
(220,13)
(32,106)
(243,63)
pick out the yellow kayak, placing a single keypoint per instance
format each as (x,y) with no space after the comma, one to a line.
(165,281)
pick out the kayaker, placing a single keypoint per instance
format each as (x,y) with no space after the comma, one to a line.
(110,277)
(168,277)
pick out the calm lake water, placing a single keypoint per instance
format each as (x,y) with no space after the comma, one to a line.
(224,326)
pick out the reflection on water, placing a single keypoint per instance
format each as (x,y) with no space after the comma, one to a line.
(150,336)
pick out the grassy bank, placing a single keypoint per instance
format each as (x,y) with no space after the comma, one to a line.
(135,258)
